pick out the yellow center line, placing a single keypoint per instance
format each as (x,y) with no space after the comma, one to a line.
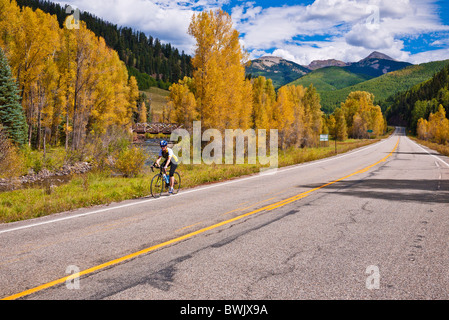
(192,225)
(242,209)
(189,235)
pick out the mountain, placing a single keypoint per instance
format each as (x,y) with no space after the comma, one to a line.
(318,64)
(279,70)
(378,55)
(282,71)
(376,64)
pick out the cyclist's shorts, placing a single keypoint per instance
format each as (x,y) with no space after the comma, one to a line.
(172,166)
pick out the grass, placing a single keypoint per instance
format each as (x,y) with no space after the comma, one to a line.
(100,188)
(158,99)
(440,148)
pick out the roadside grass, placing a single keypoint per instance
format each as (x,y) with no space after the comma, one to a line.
(96,188)
(440,148)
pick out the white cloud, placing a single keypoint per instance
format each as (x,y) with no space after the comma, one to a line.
(376,39)
(428,56)
(353,28)
(164,19)
(347,30)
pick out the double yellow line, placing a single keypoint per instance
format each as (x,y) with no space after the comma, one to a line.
(189,235)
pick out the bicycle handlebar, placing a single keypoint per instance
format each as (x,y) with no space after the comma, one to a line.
(155,165)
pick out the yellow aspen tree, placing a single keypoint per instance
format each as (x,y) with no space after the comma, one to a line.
(423,129)
(377,123)
(222,93)
(120,108)
(102,114)
(67,70)
(35,39)
(264,97)
(9,24)
(85,73)
(47,86)
(297,97)
(142,118)
(340,129)
(359,126)
(312,117)
(283,116)
(330,123)
(182,102)
(439,126)
(113,95)
(67,76)
(133,95)
(361,115)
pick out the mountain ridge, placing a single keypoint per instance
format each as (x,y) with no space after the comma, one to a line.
(278,69)
(283,71)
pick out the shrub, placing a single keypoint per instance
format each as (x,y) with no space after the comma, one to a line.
(11,160)
(131,161)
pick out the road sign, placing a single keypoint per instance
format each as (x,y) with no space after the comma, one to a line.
(324,137)
(370,131)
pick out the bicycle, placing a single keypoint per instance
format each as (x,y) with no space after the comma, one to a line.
(159,183)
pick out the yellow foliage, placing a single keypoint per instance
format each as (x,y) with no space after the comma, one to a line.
(131,161)
(362,115)
(66,76)
(182,102)
(436,129)
(223,96)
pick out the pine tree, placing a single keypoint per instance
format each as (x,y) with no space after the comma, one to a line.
(11,113)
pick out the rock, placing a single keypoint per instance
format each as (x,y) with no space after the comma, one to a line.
(32,177)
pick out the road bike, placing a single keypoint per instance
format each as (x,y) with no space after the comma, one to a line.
(159,184)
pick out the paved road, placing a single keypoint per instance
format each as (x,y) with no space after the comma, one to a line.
(369,224)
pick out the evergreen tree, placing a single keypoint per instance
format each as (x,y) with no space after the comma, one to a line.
(11,113)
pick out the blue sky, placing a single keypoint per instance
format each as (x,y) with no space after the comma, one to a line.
(408,30)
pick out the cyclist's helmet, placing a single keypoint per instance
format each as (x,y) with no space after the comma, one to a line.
(163,143)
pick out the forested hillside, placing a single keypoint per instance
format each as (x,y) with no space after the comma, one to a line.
(150,61)
(384,86)
(331,79)
(420,101)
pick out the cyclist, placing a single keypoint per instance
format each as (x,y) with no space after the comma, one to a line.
(170,160)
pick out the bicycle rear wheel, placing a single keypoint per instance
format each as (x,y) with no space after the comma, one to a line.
(157,186)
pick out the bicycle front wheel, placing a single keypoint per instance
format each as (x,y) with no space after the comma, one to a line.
(157,186)
(177,183)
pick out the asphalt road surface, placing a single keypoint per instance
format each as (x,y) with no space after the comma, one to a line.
(369,224)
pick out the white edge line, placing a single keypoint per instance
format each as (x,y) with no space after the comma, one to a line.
(296,166)
(439,159)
